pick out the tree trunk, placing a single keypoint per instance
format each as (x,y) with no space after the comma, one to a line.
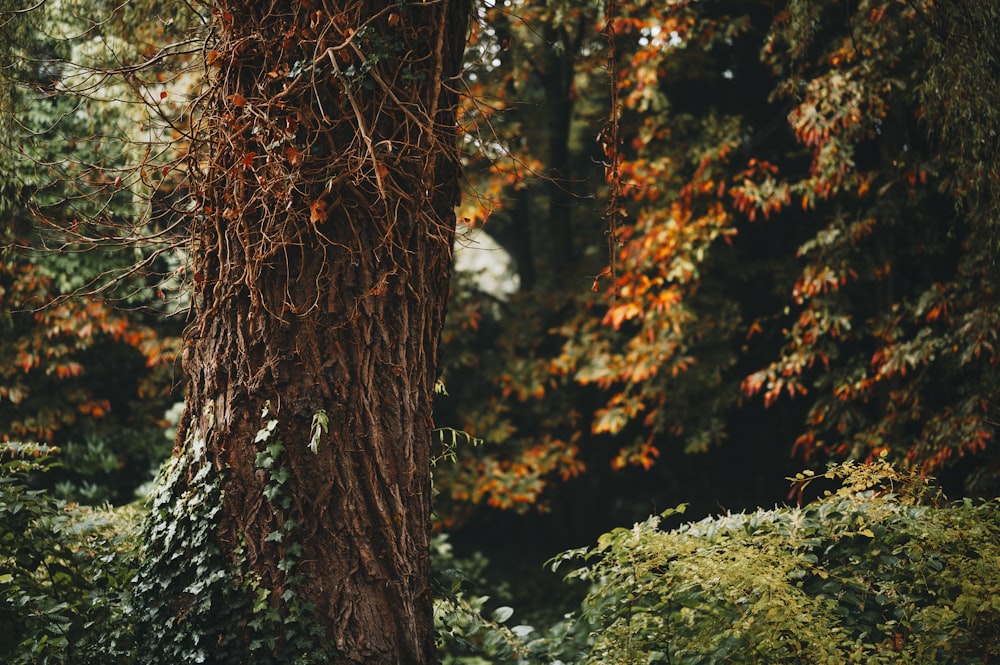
(557,76)
(322,245)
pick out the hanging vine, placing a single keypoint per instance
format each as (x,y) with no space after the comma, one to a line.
(295,144)
(610,143)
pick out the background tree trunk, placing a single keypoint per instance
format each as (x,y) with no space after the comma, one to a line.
(322,247)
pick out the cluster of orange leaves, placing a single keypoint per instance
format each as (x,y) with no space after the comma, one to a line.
(516,483)
(49,337)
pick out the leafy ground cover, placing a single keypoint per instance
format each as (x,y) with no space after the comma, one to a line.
(880,569)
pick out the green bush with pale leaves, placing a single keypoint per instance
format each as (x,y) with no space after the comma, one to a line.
(65,570)
(875,572)
(878,571)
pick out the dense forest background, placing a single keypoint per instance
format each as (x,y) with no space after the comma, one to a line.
(733,240)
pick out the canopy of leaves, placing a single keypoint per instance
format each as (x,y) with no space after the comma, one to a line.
(809,225)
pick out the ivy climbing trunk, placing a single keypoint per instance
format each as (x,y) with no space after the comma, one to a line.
(322,235)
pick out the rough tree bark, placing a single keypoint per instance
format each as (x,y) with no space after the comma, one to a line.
(322,239)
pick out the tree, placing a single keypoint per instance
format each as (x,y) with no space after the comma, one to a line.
(807,263)
(533,169)
(874,268)
(321,224)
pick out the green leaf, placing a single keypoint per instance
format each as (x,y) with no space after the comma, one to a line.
(502,614)
(320,423)
(263,460)
(264,433)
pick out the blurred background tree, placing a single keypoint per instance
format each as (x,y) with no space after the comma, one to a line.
(805,268)
(89,332)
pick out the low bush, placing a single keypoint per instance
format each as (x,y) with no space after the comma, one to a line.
(64,570)
(875,572)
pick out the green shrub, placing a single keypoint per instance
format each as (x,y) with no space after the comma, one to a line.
(109,467)
(467,633)
(64,571)
(872,573)
(876,572)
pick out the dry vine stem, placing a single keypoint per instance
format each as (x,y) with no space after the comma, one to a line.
(303,135)
(610,143)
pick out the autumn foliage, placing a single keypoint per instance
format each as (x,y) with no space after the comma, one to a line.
(55,381)
(87,346)
(808,224)
(802,244)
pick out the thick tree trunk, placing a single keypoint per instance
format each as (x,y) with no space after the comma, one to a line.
(321,253)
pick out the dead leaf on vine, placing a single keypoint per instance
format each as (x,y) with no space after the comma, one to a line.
(317,211)
(293,155)
(237,99)
(597,280)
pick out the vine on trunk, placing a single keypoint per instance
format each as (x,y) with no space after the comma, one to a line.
(293,140)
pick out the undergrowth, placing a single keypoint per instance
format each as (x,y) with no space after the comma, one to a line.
(878,570)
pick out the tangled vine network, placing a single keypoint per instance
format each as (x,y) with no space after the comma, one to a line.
(321,123)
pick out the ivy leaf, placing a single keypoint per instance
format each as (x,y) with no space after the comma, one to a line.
(320,424)
(265,432)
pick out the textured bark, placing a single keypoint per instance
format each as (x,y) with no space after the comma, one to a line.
(322,256)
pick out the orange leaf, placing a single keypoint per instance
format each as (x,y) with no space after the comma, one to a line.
(293,155)
(621,313)
(237,99)
(317,211)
